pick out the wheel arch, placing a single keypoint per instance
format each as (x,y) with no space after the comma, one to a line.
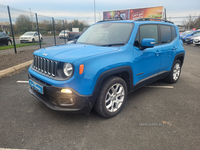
(124,72)
(180,57)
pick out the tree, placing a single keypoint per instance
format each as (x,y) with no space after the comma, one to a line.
(191,22)
(45,26)
(197,23)
(23,24)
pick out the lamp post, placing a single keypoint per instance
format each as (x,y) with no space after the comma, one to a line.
(94,13)
(31,18)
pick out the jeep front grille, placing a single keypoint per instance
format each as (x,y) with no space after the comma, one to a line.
(45,66)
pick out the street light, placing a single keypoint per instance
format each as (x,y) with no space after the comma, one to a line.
(31,19)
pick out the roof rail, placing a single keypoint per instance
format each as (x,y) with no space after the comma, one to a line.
(109,20)
(153,19)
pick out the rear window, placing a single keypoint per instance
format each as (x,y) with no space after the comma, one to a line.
(173,32)
(165,33)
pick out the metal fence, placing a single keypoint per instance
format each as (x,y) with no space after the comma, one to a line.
(15,23)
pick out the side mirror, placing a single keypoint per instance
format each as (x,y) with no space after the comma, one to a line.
(147,43)
(75,41)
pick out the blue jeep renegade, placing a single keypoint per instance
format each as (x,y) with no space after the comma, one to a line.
(108,61)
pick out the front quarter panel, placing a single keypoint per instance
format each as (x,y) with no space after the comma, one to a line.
(95,66)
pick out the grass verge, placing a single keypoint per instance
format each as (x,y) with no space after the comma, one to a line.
(19,45)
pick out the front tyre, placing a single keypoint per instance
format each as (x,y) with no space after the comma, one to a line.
(9,43)
(112,97)
(175,72)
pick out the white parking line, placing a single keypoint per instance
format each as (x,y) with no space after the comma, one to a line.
(164,87)
(11,149)
(22,82)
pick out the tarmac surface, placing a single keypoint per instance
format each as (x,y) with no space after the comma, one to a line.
(154,117)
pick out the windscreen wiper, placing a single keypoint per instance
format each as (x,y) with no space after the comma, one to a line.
(114,44)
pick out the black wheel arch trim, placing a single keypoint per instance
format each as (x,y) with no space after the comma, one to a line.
(111,72)
(182,55)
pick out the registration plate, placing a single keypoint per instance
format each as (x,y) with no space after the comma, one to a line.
(36,86)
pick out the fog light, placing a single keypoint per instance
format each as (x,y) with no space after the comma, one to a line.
(64,101)
(66,91)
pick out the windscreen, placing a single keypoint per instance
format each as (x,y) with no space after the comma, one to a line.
(107,34)
(197,34)
(188,33)
(28,33)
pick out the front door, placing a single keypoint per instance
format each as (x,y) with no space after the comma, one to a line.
(146,62)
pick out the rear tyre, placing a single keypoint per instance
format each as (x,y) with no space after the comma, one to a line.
(33,40)
(112,97)
(175,72)
(41,39)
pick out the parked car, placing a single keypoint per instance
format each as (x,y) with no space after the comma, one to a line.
(109,60)
(187,34)
(31,36)
(64,34)
(5,39)
(190,39)
(196,40)
(73,36)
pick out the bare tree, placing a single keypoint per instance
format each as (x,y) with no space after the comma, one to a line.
(192,22)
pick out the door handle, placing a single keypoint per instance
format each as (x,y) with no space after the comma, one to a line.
(157,52)
(174,48)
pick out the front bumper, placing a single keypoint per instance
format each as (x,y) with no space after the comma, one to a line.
(196,42)
(53,98)
(27,40)
(63,37)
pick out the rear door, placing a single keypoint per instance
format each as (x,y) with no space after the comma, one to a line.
(167,47)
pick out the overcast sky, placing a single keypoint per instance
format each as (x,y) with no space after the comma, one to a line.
(84,9)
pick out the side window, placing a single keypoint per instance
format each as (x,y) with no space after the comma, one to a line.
(146,31)
(149,31)
(166,34)
(173,33)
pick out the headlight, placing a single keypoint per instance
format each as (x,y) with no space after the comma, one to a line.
(68,69)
